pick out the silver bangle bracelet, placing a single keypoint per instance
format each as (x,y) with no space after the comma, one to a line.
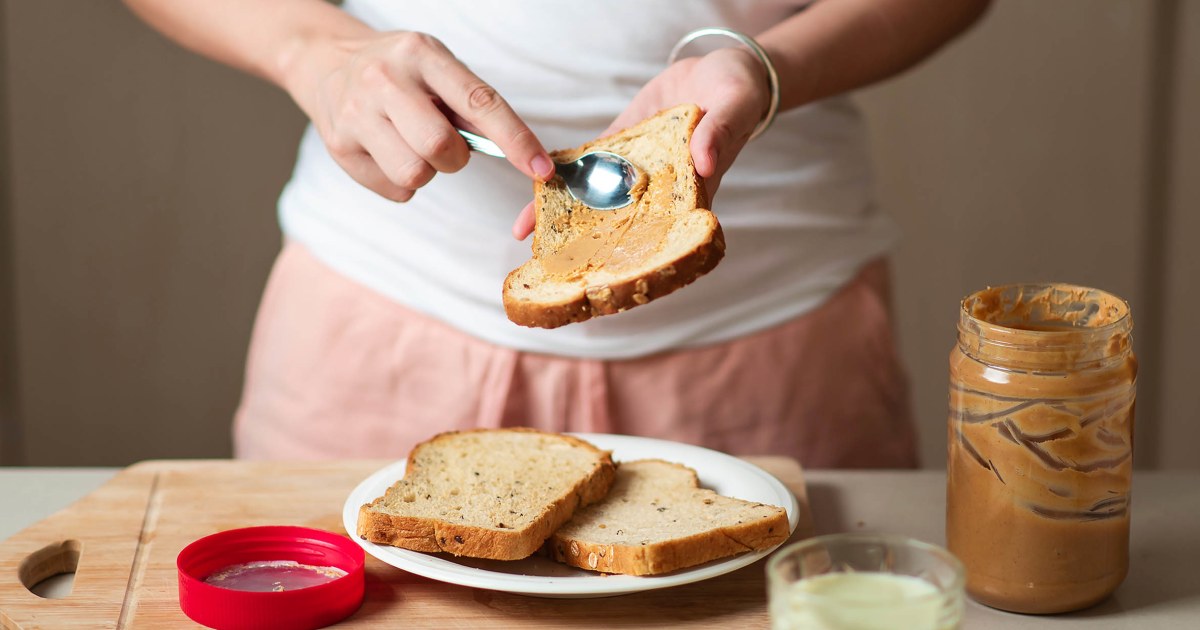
(748,42)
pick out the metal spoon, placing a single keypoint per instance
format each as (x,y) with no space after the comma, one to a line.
(599,180)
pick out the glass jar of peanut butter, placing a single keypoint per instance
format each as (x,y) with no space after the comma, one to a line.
(1040,446)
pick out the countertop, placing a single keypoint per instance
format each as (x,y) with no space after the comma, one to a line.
(1161,590)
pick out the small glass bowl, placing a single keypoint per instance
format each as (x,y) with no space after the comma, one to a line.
(864,582)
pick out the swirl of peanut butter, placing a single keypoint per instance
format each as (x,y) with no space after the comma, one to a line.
(618,240)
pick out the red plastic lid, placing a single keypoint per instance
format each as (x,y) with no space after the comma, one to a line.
(308,607)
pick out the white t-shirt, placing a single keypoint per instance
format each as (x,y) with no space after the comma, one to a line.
(796,207)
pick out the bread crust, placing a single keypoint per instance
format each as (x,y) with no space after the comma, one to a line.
(676,553)
(433,535)
(615,297)
(671,555)
(607,299)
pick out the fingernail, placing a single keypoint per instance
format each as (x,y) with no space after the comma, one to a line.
(542,167)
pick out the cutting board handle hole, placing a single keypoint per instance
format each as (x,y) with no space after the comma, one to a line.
(49,572)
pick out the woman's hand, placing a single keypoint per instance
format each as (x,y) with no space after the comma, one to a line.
(729,85)
(386,105)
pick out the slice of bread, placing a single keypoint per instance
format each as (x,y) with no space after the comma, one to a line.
(487,493)
(590,262)
(657,519)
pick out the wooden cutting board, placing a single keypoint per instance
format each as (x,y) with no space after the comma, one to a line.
(125,536)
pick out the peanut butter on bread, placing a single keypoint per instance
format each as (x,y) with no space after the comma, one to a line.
(589,262)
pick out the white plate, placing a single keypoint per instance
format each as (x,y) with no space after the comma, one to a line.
(543,577)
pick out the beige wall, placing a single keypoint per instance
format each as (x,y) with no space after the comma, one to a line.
(1179,388)
(142,212)
(1015,156)
(10,438)
(1053,142)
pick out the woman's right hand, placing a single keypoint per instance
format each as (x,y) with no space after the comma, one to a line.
(386,105)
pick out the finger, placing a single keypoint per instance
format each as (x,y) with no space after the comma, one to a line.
(363,168)
(523,226)
(476,101)
(426,131)
(721,133)
(724,160)
(398,162)
(731,112)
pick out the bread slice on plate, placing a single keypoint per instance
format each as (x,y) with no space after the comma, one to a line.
(657,519)
(487,493)
(591,262)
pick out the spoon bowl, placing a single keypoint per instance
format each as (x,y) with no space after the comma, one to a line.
(599,180)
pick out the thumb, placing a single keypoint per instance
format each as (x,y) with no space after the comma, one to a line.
(720,135)
(712,140)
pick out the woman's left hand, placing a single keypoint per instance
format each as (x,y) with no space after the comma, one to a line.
(730,87)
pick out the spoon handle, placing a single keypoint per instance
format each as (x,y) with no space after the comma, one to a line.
(481,144)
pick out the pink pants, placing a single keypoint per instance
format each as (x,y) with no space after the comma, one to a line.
(336,370)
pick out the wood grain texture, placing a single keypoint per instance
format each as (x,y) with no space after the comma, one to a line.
(132,528)
(108,524)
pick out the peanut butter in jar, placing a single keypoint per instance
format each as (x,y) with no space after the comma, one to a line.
(1042,385)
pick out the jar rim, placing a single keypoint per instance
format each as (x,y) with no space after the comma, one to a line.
(1004,333)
